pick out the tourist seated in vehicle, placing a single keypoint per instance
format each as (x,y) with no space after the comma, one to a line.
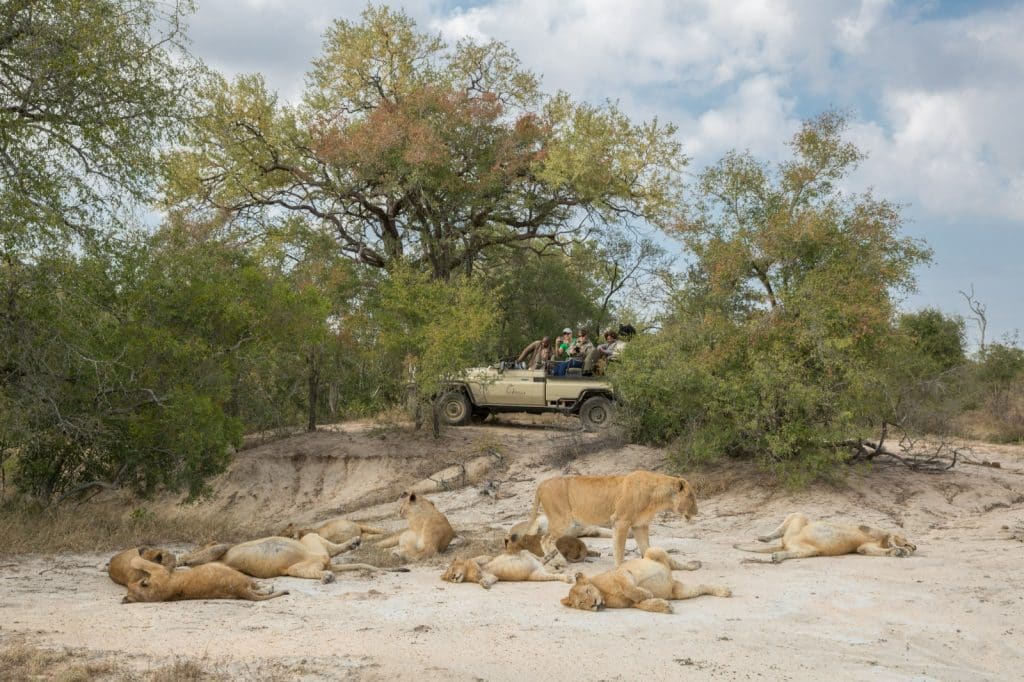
(581,345)
(608,350)
(563,345)
(538,354)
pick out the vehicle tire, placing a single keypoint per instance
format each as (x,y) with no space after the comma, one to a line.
(454,408)
(596,413)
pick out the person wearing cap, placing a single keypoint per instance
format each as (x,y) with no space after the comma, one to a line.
(564,342)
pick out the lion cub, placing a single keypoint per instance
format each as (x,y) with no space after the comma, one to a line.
(573,549)
(645,584)
(802,538)
(429,531)
(519,566)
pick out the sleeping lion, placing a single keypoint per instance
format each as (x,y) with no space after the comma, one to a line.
(802,538)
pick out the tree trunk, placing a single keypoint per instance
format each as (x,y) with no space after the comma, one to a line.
(314,388)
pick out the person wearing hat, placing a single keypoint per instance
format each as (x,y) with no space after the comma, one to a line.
(564,342)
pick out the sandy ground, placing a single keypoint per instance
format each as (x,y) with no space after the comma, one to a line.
(953,611)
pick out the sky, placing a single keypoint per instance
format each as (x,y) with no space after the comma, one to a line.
(935,90)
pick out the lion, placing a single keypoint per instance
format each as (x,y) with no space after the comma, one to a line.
(518,566)
(645,584)
(209,581)
(626,502)
(120,571)
(802,538)
(572,549)
(336,530)
(428,534)
(275,556)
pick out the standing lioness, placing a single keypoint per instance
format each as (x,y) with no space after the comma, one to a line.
(625,502)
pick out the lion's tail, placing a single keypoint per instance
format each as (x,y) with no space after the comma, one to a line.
(759,549)
(370,530)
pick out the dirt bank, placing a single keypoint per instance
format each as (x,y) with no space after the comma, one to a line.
(950,612)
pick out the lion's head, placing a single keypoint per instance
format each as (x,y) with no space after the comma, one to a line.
(153,587)
(461,570)
(159,555)
(900,544)
(684,502)
(411,502)
(584,595)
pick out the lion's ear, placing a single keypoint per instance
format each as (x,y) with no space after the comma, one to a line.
(579,577)
(886,541)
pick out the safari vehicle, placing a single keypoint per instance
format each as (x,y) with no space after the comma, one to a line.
(503,388)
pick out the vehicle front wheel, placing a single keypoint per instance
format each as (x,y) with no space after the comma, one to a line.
(455,408)
(596,413)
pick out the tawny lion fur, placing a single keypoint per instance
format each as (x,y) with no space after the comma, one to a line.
(429,531)
(645,584)
(336,530)
(209,581)
(519,566)
(572,549)
(627,502)
(121,572)
(275,556)
(802,538)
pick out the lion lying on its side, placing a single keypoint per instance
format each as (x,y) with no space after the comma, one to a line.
(121,572)
(572,549)
(275,556)
(209,581)
(802,538)
(626,502)
(336,530)
(645,584)
(519,566)
(429,531)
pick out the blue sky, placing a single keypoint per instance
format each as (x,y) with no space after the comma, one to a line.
(936,90)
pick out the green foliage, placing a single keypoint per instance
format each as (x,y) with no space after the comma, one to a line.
(89,89)
(776,347)
(936,335)
(417,330)
(136,367)
(408,150)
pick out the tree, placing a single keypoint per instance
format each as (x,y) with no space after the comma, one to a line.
(407,149)
(937,336)
(89,90)
(775,348)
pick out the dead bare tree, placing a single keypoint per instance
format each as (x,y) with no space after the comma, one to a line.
(919,454)
(978,308)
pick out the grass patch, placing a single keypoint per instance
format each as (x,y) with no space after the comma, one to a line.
(20,661)
(28,527)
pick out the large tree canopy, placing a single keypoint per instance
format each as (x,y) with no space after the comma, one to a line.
(88,90)
(781,344)
(408,149)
